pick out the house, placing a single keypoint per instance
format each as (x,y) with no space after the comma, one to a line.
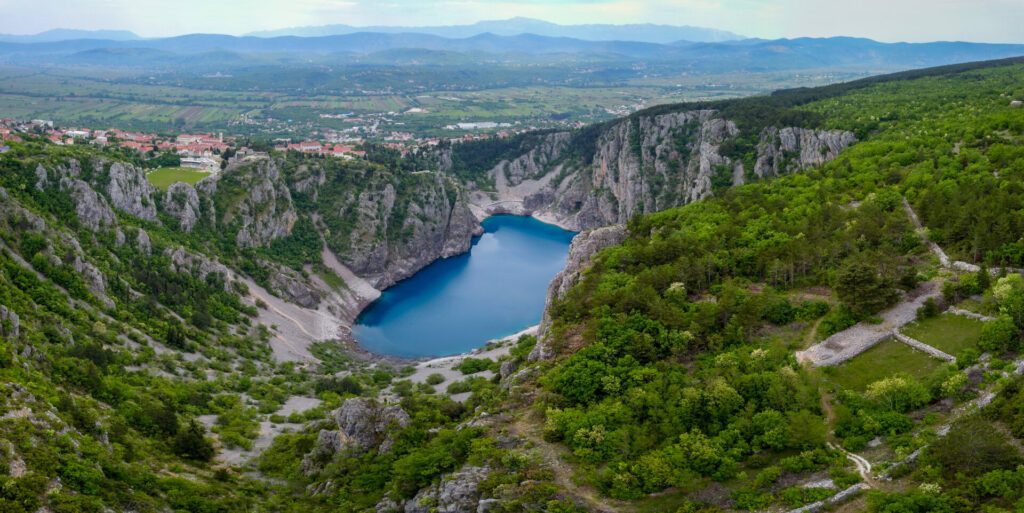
(137,146)
(306,147)
(202,163)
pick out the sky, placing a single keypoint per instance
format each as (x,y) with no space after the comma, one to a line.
(884,20)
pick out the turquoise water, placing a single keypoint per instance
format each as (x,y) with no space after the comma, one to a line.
(456,304)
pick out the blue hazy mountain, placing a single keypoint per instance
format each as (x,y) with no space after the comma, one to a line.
(70,34)
(645,32)
(743,55)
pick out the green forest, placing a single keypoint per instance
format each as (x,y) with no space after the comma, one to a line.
(673,384)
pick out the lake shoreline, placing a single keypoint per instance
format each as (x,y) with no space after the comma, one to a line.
(361,353)
(452,305)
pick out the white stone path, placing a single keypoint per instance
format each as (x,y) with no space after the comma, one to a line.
(853,341)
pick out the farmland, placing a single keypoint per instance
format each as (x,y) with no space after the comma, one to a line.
(99,98)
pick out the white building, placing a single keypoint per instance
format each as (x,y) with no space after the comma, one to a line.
(202,163)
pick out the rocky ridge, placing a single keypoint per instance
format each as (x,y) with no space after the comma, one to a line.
(645,164)
(583,248)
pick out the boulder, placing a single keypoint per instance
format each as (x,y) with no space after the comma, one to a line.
(143,242)
(455,493)
(9,322)
(363,425)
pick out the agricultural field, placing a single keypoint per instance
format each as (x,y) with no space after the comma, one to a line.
(164,177)
(948,332)
(124,100)
(887,358)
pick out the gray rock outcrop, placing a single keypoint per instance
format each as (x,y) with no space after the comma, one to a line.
(363,425)
(182,203)
(793,149)
(101,188)
(200,266)
(457,492)
(265,211)
(143,243)
(93,278)
(91,208)
(644,164)
(128,189)
(385,248)
(9,322)
(583,248)
(287,284)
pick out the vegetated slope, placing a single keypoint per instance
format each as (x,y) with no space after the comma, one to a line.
(130,317)
(667,373)
(667,370)
(135,320)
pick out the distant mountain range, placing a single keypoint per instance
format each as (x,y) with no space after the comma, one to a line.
(69,34)
(427,49)
(644,33)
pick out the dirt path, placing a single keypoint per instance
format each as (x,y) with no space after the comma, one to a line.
(529,429)
(270,306)
(864,467)
(809,339)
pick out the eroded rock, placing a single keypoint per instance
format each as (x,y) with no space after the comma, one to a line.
(363,425)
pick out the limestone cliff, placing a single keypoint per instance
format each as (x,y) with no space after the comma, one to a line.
(644,164)
(792,149)
(254,199)
(391,228)
(583,248)
(100,186)
(363,425)
(182,203)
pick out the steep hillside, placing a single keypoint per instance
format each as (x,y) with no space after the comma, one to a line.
(649,162)
(665,378)
(179,350)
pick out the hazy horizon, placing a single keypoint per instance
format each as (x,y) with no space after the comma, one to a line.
(992,21)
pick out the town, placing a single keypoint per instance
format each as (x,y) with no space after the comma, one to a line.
(211,152)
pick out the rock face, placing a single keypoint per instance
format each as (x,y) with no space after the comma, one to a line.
(287,284)
(534,164)
(100,186)
(93,278)
(362,425)
(128,189)
(183,261)
(394,236)
(792,149)
(91,208)
(265,211)
(143,242)
(583,248)
(9,322)
(182,203)
(456,493)
(644,164)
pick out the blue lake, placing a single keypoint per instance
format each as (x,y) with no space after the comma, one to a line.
(457,304)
